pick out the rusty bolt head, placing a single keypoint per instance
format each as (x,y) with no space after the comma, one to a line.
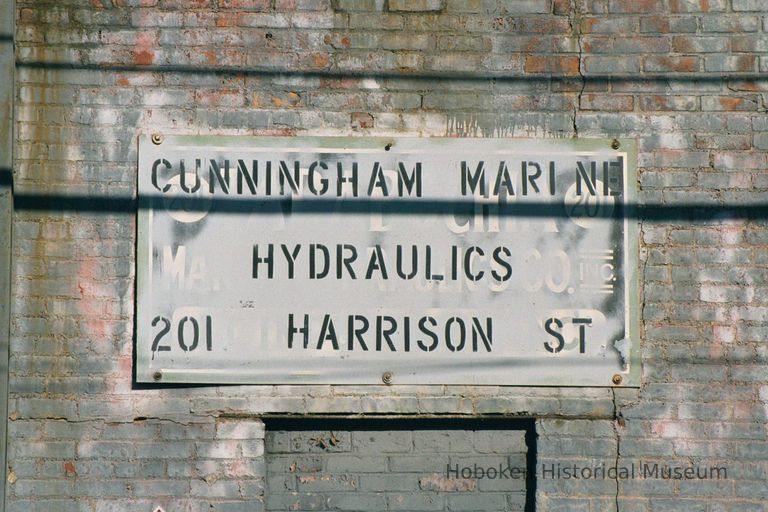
(157,375)
(386,378)
(617,379)
(615,144)
(157,138)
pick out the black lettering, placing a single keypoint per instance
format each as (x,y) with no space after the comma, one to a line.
(582,323)
(251,180)
(214,176)
(383,334)
(404,181)
(208,333)
(378,180)
(414,262)
(531,179)
(583,178)
(555,334)
(407,334)
(449,337)
(313,273)
(484,334)
(155,165)
(356,332)
(269,260)
(376,263)
(285,175)
(195,334)
(613,177)
(311,179)
(497,258)
(468,264)
(156,347)
(290,257)
(327,333)
(342,262)
(472,181)
(342,179)
(454,263)
(298,330)
(183,177)
(426,330)
(551,178)
(503,180)
(428,266)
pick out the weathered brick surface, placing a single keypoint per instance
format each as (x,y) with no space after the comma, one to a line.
(679,76)
(362,469)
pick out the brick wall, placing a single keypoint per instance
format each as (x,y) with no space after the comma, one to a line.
(370,465)
(683,77)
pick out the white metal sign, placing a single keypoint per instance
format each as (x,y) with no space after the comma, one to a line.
(406,260)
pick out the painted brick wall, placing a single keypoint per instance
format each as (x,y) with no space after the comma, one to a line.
(683,77)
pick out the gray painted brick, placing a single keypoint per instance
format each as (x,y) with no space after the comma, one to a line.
(71,392)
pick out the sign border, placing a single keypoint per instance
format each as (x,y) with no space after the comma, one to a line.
(626,147)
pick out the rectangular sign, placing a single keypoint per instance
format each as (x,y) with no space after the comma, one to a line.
(370,260)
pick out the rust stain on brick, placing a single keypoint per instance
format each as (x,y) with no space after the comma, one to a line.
(729,103)
(143,52)
(143,58)
(748,86)
(69,468)
(321,60)
(362,120)
(226,20)
(210,56)
(542,64)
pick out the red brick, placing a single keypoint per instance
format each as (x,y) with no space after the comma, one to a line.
(624,45)
(143,57)
(668,24)
(552,64)
(186,4)
(607,102)
(562,7)
(697,5)
(664,102)
(749,85)
(750,44)
(636,6)
(246,5)
(361,120)
(730,103)
(676,64)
